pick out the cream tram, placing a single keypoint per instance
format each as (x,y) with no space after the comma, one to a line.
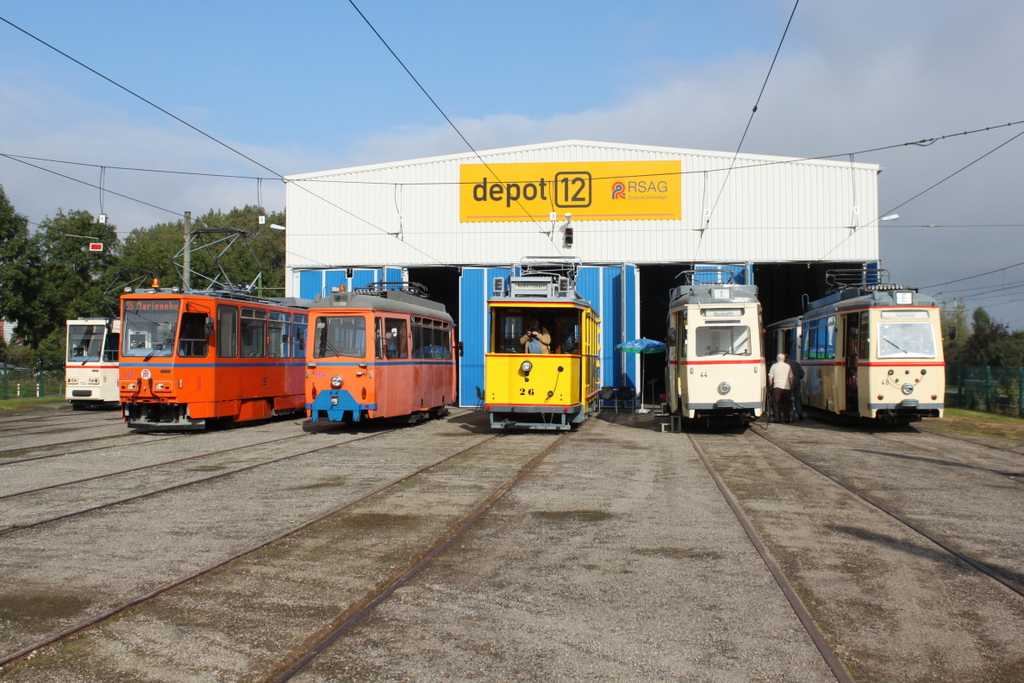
(716,370)
(90,366)
(873,351)
(541,368)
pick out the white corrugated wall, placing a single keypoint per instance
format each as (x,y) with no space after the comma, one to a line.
(766,209)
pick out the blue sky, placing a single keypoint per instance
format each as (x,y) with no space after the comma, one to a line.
(302,87)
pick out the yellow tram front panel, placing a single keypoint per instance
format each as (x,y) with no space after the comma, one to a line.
(548,381)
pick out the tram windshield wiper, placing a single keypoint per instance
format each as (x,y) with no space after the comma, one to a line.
(894,345)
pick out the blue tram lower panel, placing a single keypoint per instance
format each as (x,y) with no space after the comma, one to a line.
(332,405)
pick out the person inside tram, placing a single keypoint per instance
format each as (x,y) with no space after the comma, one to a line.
(537,338)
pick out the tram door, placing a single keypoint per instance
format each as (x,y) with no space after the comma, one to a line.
(851,334)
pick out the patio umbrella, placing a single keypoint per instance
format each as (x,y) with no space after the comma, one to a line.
(642,346)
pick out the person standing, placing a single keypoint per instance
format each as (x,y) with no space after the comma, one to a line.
(798,378)
(780,380)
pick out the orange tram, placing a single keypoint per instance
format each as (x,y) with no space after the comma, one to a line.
(220,355)
(382,351)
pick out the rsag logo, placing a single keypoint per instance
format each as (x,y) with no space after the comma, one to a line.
(618,190)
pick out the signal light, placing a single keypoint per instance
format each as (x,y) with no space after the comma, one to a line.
(567,239)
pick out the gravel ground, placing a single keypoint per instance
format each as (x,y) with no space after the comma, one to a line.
(616,559)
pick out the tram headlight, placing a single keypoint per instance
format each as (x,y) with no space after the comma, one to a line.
(336,382)
(907,388)
(526,366)
(724,388)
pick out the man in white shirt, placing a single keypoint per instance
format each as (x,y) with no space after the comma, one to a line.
(780,381)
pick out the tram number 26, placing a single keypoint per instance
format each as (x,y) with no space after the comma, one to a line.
(526,392)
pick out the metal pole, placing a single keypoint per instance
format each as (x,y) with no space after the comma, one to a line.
(5,376)
(186,260)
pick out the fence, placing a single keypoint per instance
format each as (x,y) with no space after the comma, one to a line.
(987,389)
(21,376)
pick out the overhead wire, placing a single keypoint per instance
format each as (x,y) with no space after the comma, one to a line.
(203,133)
(707,221)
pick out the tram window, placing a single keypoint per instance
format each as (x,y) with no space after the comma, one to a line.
(299,336)
(733,340)
(278,331)
(508,329)
(565,332)
(85,343)
(193,342)
(149,327)
(254,333)
(340,335)
(906,340)
(396,336)
(110,347)
(865,347)
(227,331)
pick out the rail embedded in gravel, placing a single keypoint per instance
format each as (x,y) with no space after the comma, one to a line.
(802,614)
(916,528)
(117,609)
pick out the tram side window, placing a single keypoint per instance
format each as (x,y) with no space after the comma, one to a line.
(430,339)
(254,333)
(819,339)
(278,330)
(193,342)
(299,336)
(865,346)
(227,331)
(110,347)
(396,336)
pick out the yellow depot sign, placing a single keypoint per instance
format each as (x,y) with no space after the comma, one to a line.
(590,191)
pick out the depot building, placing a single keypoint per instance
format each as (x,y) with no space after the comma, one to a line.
(634,216)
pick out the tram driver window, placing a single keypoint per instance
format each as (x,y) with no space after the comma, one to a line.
(733,340)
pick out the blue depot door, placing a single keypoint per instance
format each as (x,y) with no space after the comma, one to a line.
(612,290)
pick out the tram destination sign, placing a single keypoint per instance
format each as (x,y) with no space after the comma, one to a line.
(595,191)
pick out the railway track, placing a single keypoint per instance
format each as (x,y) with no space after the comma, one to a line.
(427,475)
(190,480)
(904,517)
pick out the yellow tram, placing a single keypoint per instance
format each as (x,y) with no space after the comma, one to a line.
(541,368)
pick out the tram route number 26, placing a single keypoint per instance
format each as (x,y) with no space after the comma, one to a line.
(526,392)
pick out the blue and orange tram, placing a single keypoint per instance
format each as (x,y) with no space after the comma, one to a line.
(381,351)
(222,355)
(541,367)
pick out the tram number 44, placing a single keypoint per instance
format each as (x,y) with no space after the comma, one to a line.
(526,392)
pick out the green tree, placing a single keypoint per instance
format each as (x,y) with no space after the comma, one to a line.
(955,331)
(158,249)
(19,261)
(985,332)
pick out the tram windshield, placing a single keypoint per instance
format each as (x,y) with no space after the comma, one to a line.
(341,335)
(85,343)
(906,340)
(560,326)
(149,327)
(723,340)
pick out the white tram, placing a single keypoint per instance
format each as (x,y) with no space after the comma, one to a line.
(90,368)
(716,372)
(869,351)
